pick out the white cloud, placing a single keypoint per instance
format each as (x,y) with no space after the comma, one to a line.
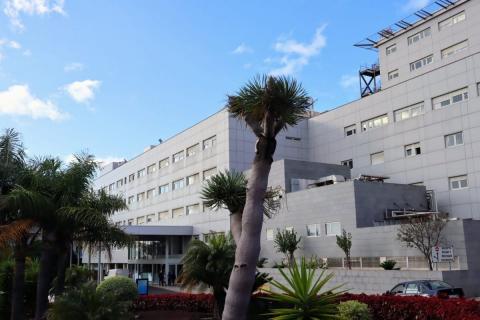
(17,100)
(349,81)
(82,91)
(102,161)
(15,8)
(415,5)
(73,66)
(296,55)
(14,45)
(242,48)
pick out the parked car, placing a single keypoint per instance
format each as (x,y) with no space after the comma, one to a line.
(427,288)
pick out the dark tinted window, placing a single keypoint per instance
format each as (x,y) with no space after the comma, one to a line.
(436,284)
(398,289)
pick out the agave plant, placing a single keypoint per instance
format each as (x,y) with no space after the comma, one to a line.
(302,298)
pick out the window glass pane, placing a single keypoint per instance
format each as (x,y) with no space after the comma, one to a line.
(459,138)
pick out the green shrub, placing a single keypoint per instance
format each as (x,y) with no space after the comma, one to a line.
(6,281)
(86,303)
(123,288)
(388,264)
(353,310)
(316,263)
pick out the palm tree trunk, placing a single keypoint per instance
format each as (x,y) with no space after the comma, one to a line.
(219,304)
(18,289)
(236,225)
(248,248)
(47,264)
(61,268)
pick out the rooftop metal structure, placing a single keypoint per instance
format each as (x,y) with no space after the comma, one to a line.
(407,23)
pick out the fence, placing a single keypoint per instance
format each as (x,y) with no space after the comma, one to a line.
(404,263)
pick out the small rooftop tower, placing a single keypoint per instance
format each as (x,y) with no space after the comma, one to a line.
(369,80)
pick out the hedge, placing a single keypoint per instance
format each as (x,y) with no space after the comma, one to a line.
(382,307)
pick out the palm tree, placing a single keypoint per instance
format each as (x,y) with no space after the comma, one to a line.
(268,105)
(12,155)
(228,190)
(209,265)
(286,242)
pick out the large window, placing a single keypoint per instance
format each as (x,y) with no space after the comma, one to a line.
(375,122)
(454,139)
(333,229)
(152,168)
(131,200)
(193,150)
(111,187)
(421,63)
(119,183)
(450,98)
(209,143)
(450,51)
(459,17)
(131,177)
(391,49)
(163,215)
(193,179)
(419,36)
(177,212)
(140,173)
(163,189)
(140,196)
(457,183)
(412,150)
(164,163)
(377,158)
(151,193)
(178,184)
(347,163)
(313,230)
(350,130)
(409,112)
(270,234)
(178,156)
(393,74)
(208,173)
(193,208)
(141,220)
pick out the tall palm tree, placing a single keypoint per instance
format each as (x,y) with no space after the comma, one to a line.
(228,190)
(12,155)
(209,265)
(268,105)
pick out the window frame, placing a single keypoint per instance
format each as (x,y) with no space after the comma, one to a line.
(197,205)
(181,181)
(414,147)
(377,153)
(317,230)
(141,173)
(166,185)
(178,210)
(427,32)
(463,92)
(410,109)
(181,156)
(370,123)
(208,170)
(269,234)
(450,21)
(347,163)
(394,74)
(195,148)
(152,168)
(391,49)
(459,180)
(329,224)
(196,179)
(161,163)
(456,48)
(455,138)
(425,61)
(351,128)
(161,213)
(209,143)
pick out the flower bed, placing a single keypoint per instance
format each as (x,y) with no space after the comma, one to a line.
(417,308)
(382,307)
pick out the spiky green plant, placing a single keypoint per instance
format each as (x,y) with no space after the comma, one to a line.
(286,242)
(303,296)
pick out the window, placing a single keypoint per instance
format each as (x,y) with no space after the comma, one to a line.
(194,208)
(269,233)
(332,229)
(391,49)
(193,150)
(140,173)
(208,173)
(347,163)
(375,122)
(131,177)
(457,183)
(376,158)
(393,74)
(131,199)
(412,288)
(130,222)
(421,63)
(409,112)
(178,184)
(459,17)
(210,142)
(152,168)
(193,179)
(177,212)
(419,36)
(163,215)
(478,89)
(350,130)
(111,186)
(151,193)
(293,138)
(294,184)
(454,139)
(412,150)
(140,196)
(150,217)
(313,230)
(177,157)
(163,163)
(450,98)
(119,183)
(141,220)
(163,189)
(450,51)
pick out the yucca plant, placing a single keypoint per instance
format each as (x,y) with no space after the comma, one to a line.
(302,297)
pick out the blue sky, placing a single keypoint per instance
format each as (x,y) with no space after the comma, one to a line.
(114,76)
